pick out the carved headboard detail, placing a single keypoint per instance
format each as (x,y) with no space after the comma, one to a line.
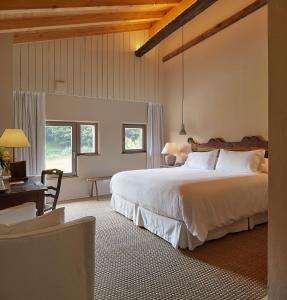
(247,143)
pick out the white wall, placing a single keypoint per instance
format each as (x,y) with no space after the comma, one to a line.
(101,66)
(226,78)
(103,82)
(6,81)
(110,116)
(277,238)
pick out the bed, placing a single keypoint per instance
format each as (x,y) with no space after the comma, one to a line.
(188,207)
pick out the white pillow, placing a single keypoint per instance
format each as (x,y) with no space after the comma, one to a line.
(201,160)
(53,218)
(19,213)
(240,161)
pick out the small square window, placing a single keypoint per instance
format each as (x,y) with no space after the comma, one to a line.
(134,138)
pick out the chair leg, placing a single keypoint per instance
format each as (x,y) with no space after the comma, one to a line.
(92,190)
(96,186)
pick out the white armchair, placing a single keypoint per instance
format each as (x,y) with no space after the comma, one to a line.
(55,263)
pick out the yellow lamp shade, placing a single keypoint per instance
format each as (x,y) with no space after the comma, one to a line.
(14,138)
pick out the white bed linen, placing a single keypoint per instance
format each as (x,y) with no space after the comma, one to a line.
(173,231)
(204,200)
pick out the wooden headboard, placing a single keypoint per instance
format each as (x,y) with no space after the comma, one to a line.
(247,143)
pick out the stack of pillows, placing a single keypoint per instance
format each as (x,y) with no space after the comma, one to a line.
(230,161)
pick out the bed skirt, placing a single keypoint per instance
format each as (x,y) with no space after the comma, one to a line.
(175,231)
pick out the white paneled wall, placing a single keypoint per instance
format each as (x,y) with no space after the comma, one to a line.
(101,66)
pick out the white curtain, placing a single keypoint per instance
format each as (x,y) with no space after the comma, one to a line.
(30,115)
(154,135)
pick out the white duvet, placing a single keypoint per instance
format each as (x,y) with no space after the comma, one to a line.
(203,200)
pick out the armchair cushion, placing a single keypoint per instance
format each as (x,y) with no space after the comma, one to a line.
(52,218)
(53,263)
(16,214)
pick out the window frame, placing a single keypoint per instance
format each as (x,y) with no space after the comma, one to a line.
(76,140)
(74,143)
(131,151)
(79,153)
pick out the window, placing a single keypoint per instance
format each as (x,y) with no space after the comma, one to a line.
(134,138)
(64,140)
(88,143)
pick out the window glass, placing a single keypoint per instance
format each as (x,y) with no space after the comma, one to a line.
(87,138)
(59,147)
(134,138)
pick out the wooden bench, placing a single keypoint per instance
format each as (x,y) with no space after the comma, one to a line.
(94,181)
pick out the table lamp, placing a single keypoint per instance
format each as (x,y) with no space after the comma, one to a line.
(15,138)
(170,149)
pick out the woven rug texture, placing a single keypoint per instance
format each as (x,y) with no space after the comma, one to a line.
(132,263)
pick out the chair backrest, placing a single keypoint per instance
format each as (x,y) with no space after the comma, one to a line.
(59,174)
(53,263)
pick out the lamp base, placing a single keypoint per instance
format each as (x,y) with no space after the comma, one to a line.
(170,159)
(18,171)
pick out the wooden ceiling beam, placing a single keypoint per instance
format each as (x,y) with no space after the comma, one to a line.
(170,16)
(174,19)
(217,28)
(43,4)
(62,20)
(43,35)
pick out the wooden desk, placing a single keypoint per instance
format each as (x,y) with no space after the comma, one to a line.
(29,191)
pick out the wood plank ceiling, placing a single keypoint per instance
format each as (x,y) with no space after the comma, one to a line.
(39,20)
(34,20)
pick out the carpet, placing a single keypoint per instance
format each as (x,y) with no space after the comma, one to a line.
(132,263)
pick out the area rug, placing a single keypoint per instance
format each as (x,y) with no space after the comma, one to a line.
(132,263)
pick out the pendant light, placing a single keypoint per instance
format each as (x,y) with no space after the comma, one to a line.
(182,129)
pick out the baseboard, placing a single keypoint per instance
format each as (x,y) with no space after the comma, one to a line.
(101,197)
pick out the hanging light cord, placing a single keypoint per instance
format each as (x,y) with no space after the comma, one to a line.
(182,66)
(182,129)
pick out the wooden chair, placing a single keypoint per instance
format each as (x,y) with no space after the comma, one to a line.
(59,174)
